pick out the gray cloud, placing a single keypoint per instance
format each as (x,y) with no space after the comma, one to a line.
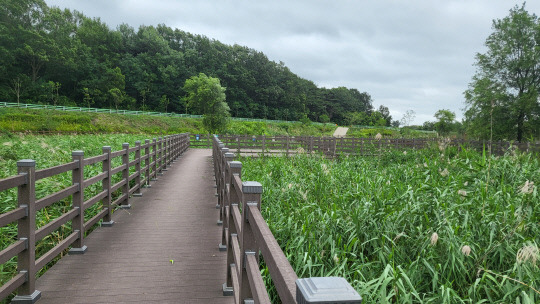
(415,54)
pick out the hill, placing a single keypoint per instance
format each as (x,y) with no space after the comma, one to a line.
(62,57)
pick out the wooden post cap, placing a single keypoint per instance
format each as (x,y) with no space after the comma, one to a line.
(325,290)
(251,187)
(26,163)
(236,164)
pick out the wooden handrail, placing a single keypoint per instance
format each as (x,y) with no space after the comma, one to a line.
(245,236)
(354,146)
(169,148)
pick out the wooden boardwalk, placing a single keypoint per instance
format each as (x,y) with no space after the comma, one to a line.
(164,249)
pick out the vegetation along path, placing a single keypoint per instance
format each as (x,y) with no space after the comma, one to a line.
(165,248)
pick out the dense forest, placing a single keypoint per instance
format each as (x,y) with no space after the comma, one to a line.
(61,57)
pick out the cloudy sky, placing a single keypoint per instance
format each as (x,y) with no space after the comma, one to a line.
(408,55)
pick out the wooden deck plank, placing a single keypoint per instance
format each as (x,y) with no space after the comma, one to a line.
(131,261)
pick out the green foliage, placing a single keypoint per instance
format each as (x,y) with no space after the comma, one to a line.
(206,96)
(396,226)
(305,120)
(502,99)
(372,132)
(324,118)
(445,121)
(26,120)
(54,56)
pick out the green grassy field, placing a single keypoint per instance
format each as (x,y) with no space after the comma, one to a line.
(409,227)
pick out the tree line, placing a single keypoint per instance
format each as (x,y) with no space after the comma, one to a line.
(62,57)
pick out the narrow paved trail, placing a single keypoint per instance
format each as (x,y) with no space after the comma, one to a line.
(340,131)
(164,249)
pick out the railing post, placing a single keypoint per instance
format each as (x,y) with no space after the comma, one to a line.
(165,153)
(138,192)
(154,159)
(124,204)
(288,142)
(77,223)
(235,169)
(221,177)
(263,144)
(106,186)
(229,156)
(147,163)
(160,156)
(251,199)
(26,260)
(174,147)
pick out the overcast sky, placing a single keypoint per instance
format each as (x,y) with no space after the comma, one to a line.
(408,55)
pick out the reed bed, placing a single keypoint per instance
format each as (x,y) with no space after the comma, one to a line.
(430,226)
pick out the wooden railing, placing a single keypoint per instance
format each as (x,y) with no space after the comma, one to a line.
(332,146)
(246,236)
(148,161)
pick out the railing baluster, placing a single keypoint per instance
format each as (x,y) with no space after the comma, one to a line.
(251,199)
(154,159)
(124,204)
(147,163)
(106,186)
(138,192)
(160,156)
(222,166)
(26,230)
(166,148)
(77,223)
(235,169)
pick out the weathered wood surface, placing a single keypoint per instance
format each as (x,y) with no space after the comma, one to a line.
(130,262)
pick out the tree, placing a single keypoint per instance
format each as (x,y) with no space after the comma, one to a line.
(407,118)
(445,121)
(164,102)
(18,86)
(385,112)
(206,96)
(87,98)
(116,96)
(504,91)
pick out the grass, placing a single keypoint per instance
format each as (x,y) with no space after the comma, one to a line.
(373,220)
(14,120)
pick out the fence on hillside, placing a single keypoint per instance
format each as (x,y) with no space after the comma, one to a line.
(246,236)
(332,146)
(146,161)
(128,112)
(170,114)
